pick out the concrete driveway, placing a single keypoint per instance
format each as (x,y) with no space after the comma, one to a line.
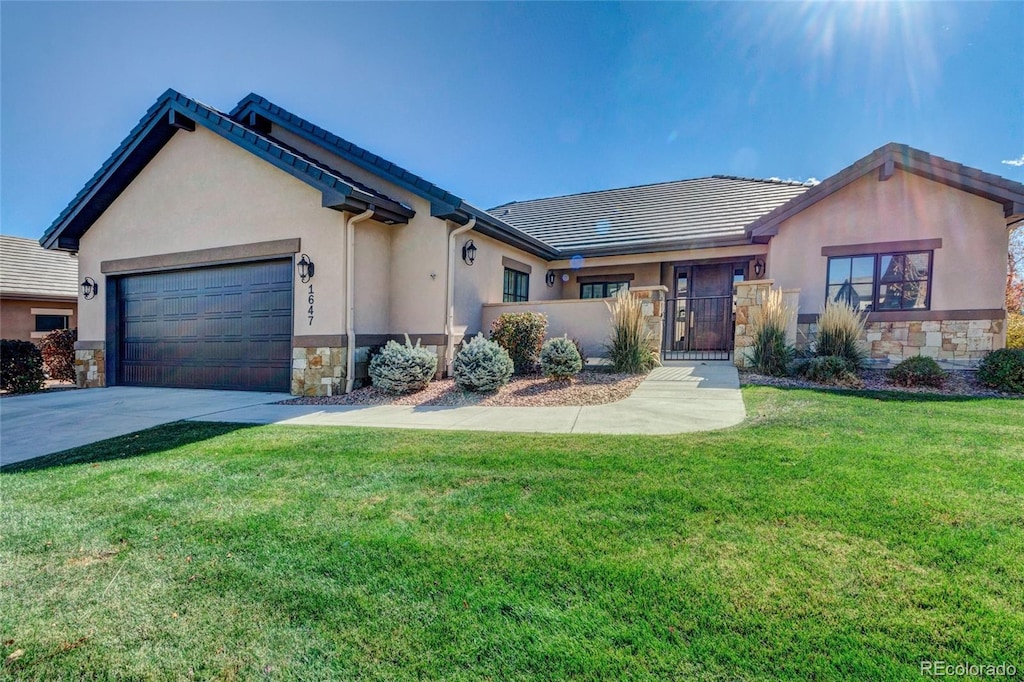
(43,423)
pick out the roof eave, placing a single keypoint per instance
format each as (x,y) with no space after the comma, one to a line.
(443,204)
(886,160)
(495,228)
(658,247)
(173,112)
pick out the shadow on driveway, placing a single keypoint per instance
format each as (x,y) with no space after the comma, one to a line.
(138,444)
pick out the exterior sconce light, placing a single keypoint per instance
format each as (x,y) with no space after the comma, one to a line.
(549,278)
(89,288)
(759,268)
(306,268)
(565,277)
(469,252)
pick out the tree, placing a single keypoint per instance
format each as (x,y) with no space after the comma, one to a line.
(1015,271)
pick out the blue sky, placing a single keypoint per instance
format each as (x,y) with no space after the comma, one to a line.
(498,102)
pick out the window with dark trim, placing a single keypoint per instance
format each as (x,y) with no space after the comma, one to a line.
(601,289)
(49,323)
(517,286)
(881,281)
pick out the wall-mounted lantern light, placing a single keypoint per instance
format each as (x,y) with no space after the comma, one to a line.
(89,288)
(549,278)
(759,268)
(306,268)
(469,252)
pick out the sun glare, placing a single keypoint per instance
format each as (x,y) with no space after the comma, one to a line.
(885,50)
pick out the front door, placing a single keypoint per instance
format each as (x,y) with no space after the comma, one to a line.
(711,306)
(700,325)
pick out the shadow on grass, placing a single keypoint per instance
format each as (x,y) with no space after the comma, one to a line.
(138,444)
(892,395)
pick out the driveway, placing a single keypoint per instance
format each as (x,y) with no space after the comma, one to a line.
(43,423)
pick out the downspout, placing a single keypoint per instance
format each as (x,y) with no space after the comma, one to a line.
(449,311)
(350,296)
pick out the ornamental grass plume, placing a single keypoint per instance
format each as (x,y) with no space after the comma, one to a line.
(631,347)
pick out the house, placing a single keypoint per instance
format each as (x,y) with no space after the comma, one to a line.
(254,249)
(38,289)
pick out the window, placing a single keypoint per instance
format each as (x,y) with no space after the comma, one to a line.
(48,323)
(601,289)
(517,286)
(883,281)
(738,275)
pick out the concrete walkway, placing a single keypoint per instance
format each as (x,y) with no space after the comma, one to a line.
(680,398)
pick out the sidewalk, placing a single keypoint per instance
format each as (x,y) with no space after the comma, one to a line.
(682,397)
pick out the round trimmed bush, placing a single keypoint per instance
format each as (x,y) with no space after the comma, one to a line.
(522,335)
(21,366)
(919,370)
(482,365)
(559,359)
(1003,370)
(58,348)
(401,368)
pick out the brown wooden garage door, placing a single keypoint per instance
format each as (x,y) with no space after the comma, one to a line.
(226,327)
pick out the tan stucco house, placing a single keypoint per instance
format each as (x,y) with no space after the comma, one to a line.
(38,289)
(253,249)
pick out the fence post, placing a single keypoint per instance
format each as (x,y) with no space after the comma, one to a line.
(750,297)
(652,300)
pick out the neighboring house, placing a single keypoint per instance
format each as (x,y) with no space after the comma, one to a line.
(38,289)
(200,227)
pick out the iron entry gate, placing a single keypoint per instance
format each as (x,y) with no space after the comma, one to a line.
(698,328)
(224,327)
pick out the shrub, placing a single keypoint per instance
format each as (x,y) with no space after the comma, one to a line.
(482,365)
(829,369)
(579,349)
(521,334)
(1003,370)
(771,354)
(839,330)
(1015,330)
(58,350)
(21,366)
(560,359)
(403,368)
(919,370)
(631,348)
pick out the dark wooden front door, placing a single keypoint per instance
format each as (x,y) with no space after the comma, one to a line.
(711,306)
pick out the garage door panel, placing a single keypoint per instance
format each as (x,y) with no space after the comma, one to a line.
(218,327)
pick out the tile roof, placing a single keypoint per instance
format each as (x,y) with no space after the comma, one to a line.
(27,269)
(679,214)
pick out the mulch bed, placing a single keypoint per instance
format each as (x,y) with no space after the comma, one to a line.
(588,388)
(958,383)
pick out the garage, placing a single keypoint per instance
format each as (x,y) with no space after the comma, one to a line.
(221,327)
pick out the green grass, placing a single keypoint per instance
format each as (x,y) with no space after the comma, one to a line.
(833,536)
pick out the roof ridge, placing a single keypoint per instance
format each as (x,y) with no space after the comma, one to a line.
(598,192)
(770,181)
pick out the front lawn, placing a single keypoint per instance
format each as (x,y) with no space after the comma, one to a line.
(832,536)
